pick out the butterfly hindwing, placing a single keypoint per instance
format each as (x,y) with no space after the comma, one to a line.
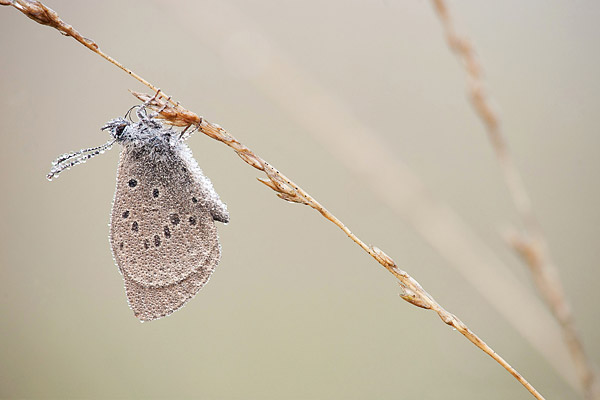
(150,303)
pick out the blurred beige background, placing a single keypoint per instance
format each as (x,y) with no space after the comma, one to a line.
(295,310)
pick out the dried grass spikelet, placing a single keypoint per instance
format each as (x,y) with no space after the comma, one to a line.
(41,14)
(418,297)
(175,115)
(526,248)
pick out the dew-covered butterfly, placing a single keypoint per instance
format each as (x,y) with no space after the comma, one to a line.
(162,231)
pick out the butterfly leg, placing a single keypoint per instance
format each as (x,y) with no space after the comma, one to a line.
(157,113)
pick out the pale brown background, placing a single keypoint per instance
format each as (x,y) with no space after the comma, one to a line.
(294,310)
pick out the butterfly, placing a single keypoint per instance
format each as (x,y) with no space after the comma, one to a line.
(163,235)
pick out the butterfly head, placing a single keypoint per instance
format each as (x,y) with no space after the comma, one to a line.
(118,129)
(147,130)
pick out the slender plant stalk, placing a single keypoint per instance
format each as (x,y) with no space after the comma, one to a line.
(355,144)
(531,245)
(173,113)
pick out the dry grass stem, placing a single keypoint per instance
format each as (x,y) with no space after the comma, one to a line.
(175,114)
(411,290)
(531,245)
(357,146)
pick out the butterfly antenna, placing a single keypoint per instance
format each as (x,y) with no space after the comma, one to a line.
(128,113)
(68,160)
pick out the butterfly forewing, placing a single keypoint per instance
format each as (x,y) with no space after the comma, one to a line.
(162,235)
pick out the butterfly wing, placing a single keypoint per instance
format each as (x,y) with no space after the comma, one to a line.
(152,302)
(162,232)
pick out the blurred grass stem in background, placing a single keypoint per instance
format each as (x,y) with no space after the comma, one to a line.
(531,245)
